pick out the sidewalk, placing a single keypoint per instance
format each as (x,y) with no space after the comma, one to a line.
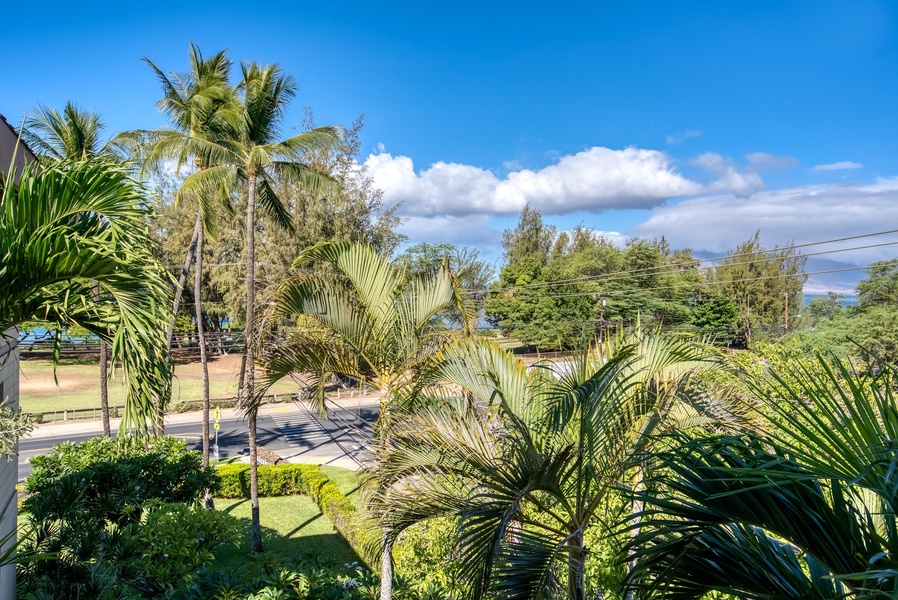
(87,426)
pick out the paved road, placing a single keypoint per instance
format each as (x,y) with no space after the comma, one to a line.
(292,431)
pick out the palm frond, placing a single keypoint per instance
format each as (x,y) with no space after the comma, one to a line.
(67,227)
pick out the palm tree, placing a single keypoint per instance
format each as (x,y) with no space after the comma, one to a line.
(68,227)
(803,508)
(252,155)
(529,465)
(366,319)
(200,106)
(74,134)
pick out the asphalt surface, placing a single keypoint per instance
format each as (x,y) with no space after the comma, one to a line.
(292,431)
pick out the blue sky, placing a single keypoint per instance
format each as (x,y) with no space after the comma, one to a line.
(700,121)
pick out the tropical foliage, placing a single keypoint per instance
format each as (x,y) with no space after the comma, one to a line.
(366,318)
(804,508)
(528,459)
(67,229)
(119,518)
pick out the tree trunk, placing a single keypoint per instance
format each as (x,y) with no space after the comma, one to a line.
(176,304)
(201,339)
(576,568)
(182,280)
(104,387)
(636,507)
(104,376)
(386,568)
(248,399)
(242,377)
(256,535)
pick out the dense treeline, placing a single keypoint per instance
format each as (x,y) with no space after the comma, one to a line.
(558,290)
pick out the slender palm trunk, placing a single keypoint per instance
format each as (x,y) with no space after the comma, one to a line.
(179,291)
(576,568)
(201,339)
(386,560)
(248,389)
(104,376)
(386,568)
(104,387)
(182,281)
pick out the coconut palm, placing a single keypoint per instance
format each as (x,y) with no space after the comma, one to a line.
(252,155)
(530,464)
(201,108)
(367,319)
(804,509)
(66,228)
(74,134)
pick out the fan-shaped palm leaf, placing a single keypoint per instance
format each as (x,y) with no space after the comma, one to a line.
(529,463)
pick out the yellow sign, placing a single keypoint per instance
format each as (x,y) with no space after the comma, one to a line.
(217,424)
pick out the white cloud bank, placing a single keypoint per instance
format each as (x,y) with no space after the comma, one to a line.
(801,214)
(593,180)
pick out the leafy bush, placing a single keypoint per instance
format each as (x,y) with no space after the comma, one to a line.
(114,515)
(426,553)
(176,540)
(274,480)
(118,476)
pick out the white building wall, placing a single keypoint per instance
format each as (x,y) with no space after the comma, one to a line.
(9,390)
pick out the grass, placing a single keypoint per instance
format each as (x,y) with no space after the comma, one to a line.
(347,481)
(79,383)
(291,526)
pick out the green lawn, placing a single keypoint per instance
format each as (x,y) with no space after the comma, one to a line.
(79,384)
(346,480)
(291,526)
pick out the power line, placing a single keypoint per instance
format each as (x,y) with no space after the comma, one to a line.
(624,274)
(702,283)
(672,268)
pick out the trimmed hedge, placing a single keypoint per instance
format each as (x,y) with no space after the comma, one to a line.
(308,480)
(274,480)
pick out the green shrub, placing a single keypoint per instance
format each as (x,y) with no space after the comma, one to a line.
(104,511)
(426,553)
(177,540)
(117,476)
(274,480)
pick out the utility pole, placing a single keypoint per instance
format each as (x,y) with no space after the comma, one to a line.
(786,319)
(603,301)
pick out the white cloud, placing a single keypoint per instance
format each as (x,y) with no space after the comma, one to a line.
(730,178)
(678,138)
(764,162)
(800,214)
(470,230)
(839,166)
(593,180)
